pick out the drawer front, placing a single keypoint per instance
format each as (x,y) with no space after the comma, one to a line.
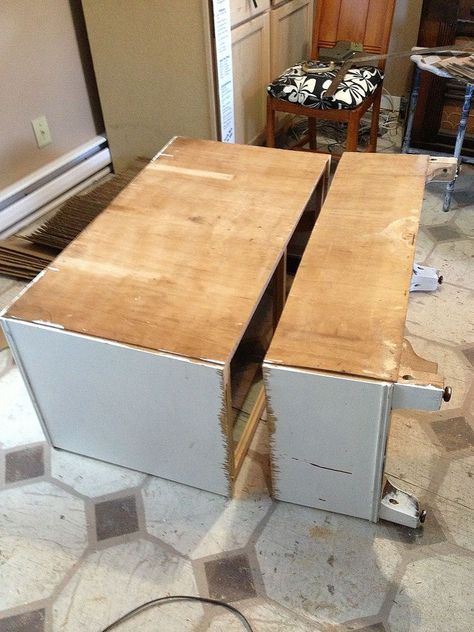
(241,10)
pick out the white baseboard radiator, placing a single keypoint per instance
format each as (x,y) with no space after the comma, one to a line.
(42,190)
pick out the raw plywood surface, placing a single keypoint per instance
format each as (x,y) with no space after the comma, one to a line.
(347,306)
(180,258)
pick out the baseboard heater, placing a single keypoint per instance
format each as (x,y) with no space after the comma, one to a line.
(51,185)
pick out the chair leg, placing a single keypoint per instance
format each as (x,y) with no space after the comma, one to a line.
(352,133)
(312,133)
(270,124)
(374,123)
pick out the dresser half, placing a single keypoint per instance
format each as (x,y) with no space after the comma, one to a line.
(338,362)
(134,343)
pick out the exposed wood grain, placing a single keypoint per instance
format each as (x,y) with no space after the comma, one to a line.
(248,433)
(279,294)
(441,169)
(367,21)
(352,20)
(326,19)
(179,260)
(347,306)
(416,370)
(410,359)
(378,27)
(198,173)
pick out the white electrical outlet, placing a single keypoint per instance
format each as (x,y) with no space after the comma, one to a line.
(41,130)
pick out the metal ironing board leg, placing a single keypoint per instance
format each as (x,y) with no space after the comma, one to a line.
(411,110)
(459,136)
(459,142)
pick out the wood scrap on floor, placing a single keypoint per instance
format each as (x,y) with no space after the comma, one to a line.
(24,255)
(3,341)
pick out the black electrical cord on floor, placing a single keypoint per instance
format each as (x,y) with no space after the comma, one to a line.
(154,602)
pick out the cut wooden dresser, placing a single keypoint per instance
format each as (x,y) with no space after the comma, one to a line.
(338,363)
(133,342)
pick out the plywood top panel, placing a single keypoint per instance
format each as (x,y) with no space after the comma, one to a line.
(347,306)
(179,260)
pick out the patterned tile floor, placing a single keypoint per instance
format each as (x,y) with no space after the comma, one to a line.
(82,542)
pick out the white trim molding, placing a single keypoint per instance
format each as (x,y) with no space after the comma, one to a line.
(51,185)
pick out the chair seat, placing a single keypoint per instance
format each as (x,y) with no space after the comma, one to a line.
(299,87)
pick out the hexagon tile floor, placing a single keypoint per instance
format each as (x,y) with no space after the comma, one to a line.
(82,542)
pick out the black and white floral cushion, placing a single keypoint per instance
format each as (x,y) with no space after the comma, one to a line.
(299,87)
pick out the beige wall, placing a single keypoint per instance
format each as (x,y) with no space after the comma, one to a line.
(40,73)
(406,22)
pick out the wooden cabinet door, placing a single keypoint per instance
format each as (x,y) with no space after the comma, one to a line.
(251,74)
(243,10)
(291,28)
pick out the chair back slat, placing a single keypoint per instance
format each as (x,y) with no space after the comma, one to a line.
(365,21)
(353,19)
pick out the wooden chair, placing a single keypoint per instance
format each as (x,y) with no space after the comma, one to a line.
(366,21)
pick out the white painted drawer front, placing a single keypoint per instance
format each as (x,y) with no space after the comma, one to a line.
(151,412)
(328,441)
